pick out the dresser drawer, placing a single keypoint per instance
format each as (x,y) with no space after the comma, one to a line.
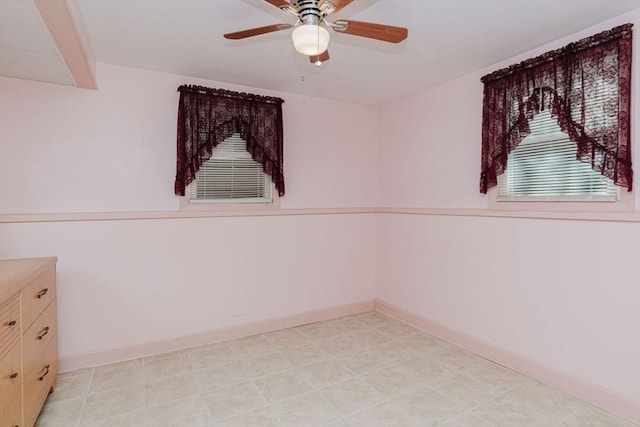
(10,387)
(36,296)
(9,304)
(37,337)
(11,416)
(9,325)
(39,382)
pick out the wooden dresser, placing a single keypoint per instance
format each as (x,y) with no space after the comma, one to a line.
(28,338)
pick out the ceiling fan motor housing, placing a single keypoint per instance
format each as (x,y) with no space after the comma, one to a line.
(308,11)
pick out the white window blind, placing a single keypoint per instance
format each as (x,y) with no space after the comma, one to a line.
(231,176)
(543,167)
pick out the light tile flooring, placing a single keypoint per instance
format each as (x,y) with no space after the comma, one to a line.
(363,370)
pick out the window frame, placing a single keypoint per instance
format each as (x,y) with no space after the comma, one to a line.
(187,204)
(502,127)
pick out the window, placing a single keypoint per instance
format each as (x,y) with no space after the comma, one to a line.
(543,167)
(231,176)
(557,127)
(207,118)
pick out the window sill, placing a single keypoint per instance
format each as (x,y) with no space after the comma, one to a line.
(624,205)
(185,206)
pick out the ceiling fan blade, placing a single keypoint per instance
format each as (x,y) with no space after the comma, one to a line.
(256,31)
(283,5)
(387,33)
(336,5)
(279,3)
(324,56)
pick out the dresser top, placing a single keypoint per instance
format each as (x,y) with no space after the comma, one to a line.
(15,273)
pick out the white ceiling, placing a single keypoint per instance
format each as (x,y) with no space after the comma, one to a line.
(447,39)
(27,50)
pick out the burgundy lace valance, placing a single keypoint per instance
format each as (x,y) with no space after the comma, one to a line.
(206,117)
(587,87)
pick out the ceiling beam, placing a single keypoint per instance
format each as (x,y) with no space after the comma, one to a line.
(59,21)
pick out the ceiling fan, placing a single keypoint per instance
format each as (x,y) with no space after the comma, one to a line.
(310,37)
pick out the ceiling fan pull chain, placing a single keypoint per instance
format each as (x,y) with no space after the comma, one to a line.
(318,62)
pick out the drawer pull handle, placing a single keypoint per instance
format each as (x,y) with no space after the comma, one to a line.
(46,372)
(42,293)
(44,332)
(13,376)
(12,323)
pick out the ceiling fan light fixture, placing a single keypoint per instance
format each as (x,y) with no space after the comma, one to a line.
(310,39)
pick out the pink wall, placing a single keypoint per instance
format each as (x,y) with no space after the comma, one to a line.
(125,283)
(124,134)
(133,282)
(562,293)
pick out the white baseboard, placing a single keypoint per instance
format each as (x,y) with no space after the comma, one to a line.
(89,360)
(575,386)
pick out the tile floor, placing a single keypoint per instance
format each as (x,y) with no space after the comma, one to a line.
(364,370)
